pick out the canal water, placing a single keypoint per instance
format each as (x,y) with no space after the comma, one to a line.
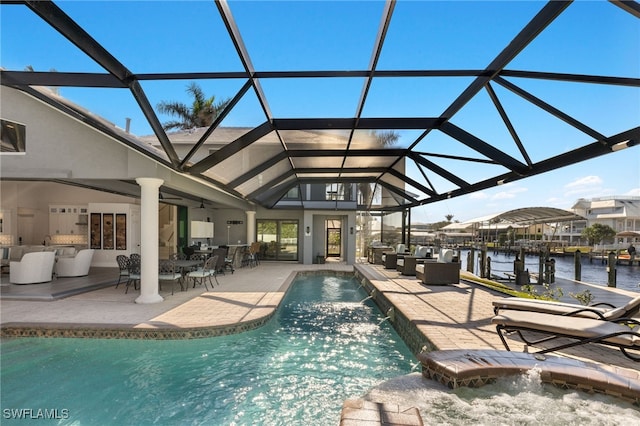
(593,272)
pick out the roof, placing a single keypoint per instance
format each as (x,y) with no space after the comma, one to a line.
(611,207)
(441,151)
(532,215)
(521,217)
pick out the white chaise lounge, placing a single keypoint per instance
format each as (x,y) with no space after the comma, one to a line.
(621,333)
(604,311)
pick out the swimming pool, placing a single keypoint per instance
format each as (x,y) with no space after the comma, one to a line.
(322,347)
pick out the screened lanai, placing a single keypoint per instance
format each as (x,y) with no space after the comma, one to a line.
(410,102)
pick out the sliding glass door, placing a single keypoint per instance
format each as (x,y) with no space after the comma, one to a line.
(279,239)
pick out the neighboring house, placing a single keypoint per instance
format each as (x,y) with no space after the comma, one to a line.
(622,213)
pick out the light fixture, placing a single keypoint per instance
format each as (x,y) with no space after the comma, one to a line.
(202,204)
(308,230)
(622,145)
(351,230)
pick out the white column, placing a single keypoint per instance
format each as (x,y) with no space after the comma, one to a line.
(149,240)
(251,226)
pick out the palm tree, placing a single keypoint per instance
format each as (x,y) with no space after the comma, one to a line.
(56,90)
(202,112)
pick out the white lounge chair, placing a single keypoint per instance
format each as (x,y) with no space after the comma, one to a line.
(578,330)
(603,311)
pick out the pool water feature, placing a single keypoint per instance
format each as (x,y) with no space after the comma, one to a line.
(513,400)
(322,347)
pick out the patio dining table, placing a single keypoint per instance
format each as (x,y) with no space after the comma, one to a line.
(185,265)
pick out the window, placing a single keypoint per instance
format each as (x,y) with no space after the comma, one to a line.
(293,193)
(13,137)
(335,191)
(369,194)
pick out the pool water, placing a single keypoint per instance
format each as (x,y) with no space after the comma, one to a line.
(323,346)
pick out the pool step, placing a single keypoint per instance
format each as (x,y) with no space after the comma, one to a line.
(358,412)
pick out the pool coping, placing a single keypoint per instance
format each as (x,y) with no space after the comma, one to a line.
(161,330)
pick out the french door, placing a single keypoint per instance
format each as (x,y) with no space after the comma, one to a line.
(334,240)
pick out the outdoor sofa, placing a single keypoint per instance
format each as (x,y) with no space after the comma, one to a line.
(406,265)
(440,271)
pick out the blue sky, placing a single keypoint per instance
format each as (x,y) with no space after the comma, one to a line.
(167,36)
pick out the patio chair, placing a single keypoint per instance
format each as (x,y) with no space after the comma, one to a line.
(188,251)
(432,272)
(389,259)
(577,330)
(133,275)
(221,253)
(250,255)
(169,272)
(255,252)
(178,256)
(32,268)
(201,275)
(123,266)
(406,265)
(233,258)
(603,311)
(196,257)
(77,266)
